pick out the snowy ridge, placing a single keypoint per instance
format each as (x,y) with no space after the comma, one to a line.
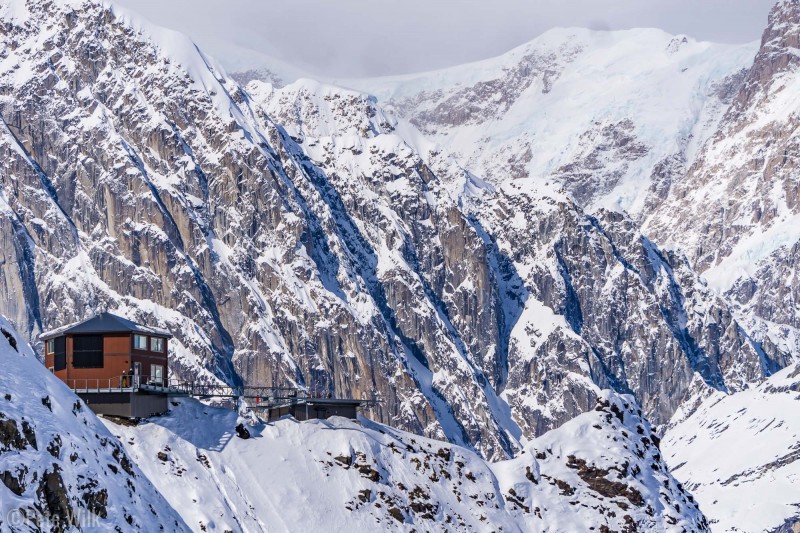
(601,469)
(59,466)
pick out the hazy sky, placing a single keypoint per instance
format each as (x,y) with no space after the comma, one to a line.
(354,38)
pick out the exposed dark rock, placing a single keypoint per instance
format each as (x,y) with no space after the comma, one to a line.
(54,448)
(123,460)
(10,437)
(15,481)
(30,434)
(96,501)
(397,514)
(55,500)
(597,480)
(10,338)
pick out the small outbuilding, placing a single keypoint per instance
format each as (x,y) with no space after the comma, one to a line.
(311,408)
(118,367)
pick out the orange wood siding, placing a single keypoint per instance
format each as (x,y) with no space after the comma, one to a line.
(109,375)
(117,344)
(118,357)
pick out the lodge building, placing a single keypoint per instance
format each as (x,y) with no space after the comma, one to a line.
(118,367)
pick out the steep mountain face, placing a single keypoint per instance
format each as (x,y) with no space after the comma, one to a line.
(148,183)
(304,236)
(740,455)
(60,468)
(607,308)
(601,470)
(745,238)
(612,296)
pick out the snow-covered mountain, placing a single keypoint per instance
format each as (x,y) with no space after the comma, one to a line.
(482,250)
(740,455)
(746,239)
(651,124)
(59,466)
(614,117)
(304,235)
(601,470)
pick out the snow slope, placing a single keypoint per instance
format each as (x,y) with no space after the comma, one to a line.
(601,469)
(59,466)
(739,455)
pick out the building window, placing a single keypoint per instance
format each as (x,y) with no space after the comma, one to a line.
(87,351)
(140,342)
(60,353)
(51,346)
(157,374)
(156,344)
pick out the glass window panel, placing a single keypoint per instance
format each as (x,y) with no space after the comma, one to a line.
(140,342)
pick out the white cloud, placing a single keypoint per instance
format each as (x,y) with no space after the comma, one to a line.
(352,38)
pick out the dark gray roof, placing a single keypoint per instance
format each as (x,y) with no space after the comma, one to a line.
(332,401)
(104,323)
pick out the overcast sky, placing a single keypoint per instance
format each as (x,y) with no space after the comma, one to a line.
(358,38)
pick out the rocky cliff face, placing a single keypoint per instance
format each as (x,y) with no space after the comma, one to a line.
(736,214)
(305,236)
(149,183)
(605,307)
(176,205)
(612,295)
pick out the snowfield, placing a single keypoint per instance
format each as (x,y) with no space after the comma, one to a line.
(739,455)
(601,469)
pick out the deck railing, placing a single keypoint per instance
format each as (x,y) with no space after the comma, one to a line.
(123,383)
(256,395)
(97,384)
